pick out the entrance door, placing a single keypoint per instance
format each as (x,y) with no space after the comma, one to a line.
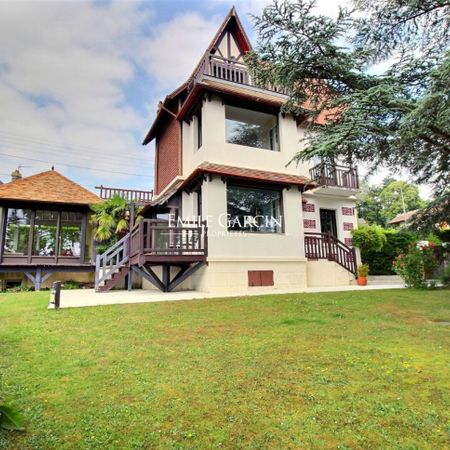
(328,222)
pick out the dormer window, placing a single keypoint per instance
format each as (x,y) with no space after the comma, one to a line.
(251,128)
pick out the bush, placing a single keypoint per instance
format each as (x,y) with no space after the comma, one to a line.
(19,288)
(71,284)
(445,276)
(369,238)
(416,266)
(380,262)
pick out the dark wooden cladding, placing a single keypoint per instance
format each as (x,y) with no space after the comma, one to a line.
(131,195)
(326,246)
(335,176)
(155,238)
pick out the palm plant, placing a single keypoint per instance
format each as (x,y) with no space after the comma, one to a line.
(110,218)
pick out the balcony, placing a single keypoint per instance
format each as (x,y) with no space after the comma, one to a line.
(131,195)
(154,240)
(335,177)
(228,70)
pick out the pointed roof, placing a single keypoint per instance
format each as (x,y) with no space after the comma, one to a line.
(47,187)
(231,23)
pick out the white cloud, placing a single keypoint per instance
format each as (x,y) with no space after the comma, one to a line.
(64,68)
(175,47)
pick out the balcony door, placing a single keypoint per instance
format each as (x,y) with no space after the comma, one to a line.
(328,222)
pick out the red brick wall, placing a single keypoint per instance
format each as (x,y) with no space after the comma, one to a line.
(168,157)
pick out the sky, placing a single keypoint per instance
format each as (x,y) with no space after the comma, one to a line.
(80,80)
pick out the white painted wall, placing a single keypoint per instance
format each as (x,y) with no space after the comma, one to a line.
(216,149)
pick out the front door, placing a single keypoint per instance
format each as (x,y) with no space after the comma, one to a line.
(328,222)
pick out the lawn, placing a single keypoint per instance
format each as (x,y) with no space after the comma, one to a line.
(366,369)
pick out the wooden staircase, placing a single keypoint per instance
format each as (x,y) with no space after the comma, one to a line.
(112,266)
(178,250)
(326,246)
(116,278)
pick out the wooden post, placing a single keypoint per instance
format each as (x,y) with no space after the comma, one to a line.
(83,237)
(166,276)
(130,280)
(3,220)
(30,235)
(56,293)
(38,279)
(58,236)
(97,272)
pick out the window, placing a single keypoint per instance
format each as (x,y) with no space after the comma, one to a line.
(47,233)
(251,128)
(254,210)
(18,224)
(199,130)
(70,237)
(44,236)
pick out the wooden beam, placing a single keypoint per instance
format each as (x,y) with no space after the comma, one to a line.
(166,277)
(58,237)
(83,238)
(30,235)
(149,275)
(3,219)
(184,274)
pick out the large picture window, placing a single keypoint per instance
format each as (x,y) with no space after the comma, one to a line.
(70,243)
(18,222)
(44,233)
(254,210)
(251,128)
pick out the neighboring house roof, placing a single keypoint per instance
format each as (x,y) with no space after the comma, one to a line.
(47,187)
(247,174)
(400,218)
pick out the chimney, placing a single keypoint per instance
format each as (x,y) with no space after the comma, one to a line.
(16,175)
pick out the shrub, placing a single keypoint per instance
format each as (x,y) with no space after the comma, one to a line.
(416,266)
(363,270)
(71,284)
(445,276)
(369,238)
(397,242)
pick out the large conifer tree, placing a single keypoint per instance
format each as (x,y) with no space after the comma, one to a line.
(400,118)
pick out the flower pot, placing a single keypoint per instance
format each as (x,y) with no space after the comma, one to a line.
(361,281)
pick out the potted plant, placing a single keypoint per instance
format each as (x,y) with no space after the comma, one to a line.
(363,271)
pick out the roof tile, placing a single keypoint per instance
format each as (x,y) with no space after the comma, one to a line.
(47,187)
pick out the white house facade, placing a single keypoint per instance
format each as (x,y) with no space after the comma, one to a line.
(231,212)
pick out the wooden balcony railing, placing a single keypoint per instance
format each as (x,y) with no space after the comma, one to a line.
(228,70)
(335,176)
(151,237)
(326,246)
(132,195)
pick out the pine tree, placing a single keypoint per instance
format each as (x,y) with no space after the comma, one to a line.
(398,119)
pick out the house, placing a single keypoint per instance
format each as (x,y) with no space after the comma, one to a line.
(229,212)
(45,232)
(402,219)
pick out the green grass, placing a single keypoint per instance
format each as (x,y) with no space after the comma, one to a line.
(367,369)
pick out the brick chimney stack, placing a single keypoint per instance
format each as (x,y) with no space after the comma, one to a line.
(16,175)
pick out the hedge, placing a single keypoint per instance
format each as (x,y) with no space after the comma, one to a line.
(380,262)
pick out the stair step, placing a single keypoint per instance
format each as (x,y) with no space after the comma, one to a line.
(384,279)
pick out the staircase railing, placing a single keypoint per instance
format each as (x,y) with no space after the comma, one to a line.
(110,262)
(156,237)
(326,246)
